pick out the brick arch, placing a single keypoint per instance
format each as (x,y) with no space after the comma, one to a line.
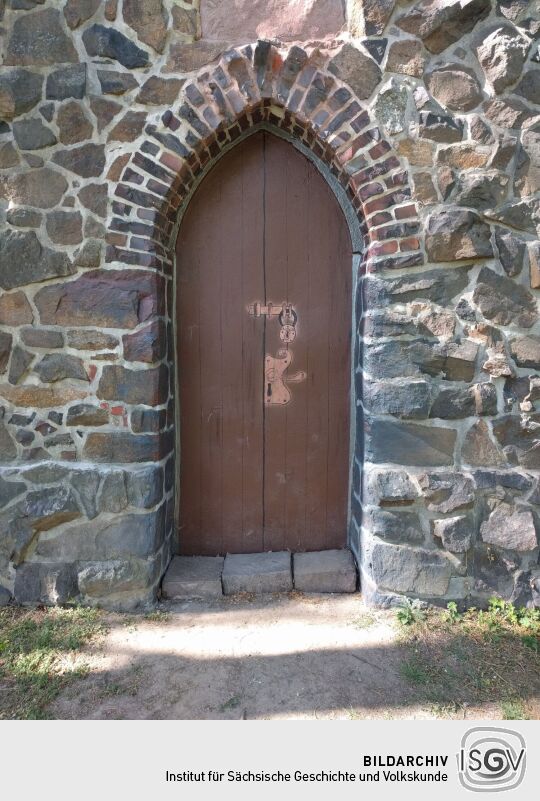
(292,94)
(297,95)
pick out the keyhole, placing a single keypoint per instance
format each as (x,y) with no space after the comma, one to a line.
(268,390)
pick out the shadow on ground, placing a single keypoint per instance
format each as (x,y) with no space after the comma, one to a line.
(275,657)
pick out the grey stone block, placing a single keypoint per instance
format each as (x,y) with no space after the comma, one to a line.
(44,583)
(5,596)
(257,572)
(193,577)
(324,571)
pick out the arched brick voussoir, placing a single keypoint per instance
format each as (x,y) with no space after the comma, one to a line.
(290,90)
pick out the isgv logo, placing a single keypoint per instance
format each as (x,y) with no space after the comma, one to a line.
(491,759)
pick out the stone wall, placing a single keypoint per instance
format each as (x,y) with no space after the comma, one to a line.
(427,117)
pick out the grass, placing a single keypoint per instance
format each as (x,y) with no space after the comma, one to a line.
(454,660)
(40,653)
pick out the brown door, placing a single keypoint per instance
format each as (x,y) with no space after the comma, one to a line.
(264,396)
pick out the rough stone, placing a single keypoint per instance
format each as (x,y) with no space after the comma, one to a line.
(452,404)
(9,490)
(39,39)
(431,285)
(23,260)
(86,414)
(86,484)
(6,341)
(123,447)
(157,91)
(91,340)
(89,256)
(440,23)
(8,449)
(20,363)
(440,127)
(15,309)
(42,583)
(145,487)
(257,572)
(149,387)
(482,190)
(506,113)
(479,449)
(73,124)
(5,596)
(20,90)
(113,497)
(88,161)
(116,83)
(409,444)
(455,87)
(127,536)
(146,345)
(148,19)
(241,21)
(31,134)
(111,299)
(390,487)
(64,227)
(393,525)
(147,420)
(510,527)
(520,432)
(42,338)
(324,571)
(409,400)
(117,583)
(391,106)
(502,53)
(41,188)
(447,492)
(455,533)
(511,251)
(78,11)
(66,82)
(529,87)
(410,570)
(193,577)
(526,351)
(58,366)
(454,234)
(406,57)
(502,300)
(102,41)
(9,156)
(128,128)
(356,69)
(523,215)
(186,21)
(42,397)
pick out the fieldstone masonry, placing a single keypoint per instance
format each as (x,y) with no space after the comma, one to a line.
(425,118)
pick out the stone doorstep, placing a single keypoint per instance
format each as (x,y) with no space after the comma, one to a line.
(257,572)
(324,571)
(193,577)
(213,576)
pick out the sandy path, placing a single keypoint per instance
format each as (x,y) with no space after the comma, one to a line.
(288,656)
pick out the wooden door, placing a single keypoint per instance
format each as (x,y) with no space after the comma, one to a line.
(264,460)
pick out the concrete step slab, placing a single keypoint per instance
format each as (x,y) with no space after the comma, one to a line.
(325,571)
(193,577)
(257,572)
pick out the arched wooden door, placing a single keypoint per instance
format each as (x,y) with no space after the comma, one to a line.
(264,331)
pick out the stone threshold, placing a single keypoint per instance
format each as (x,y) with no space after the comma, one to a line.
(280,571)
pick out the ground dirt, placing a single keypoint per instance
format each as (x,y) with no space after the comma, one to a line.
(286,656)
